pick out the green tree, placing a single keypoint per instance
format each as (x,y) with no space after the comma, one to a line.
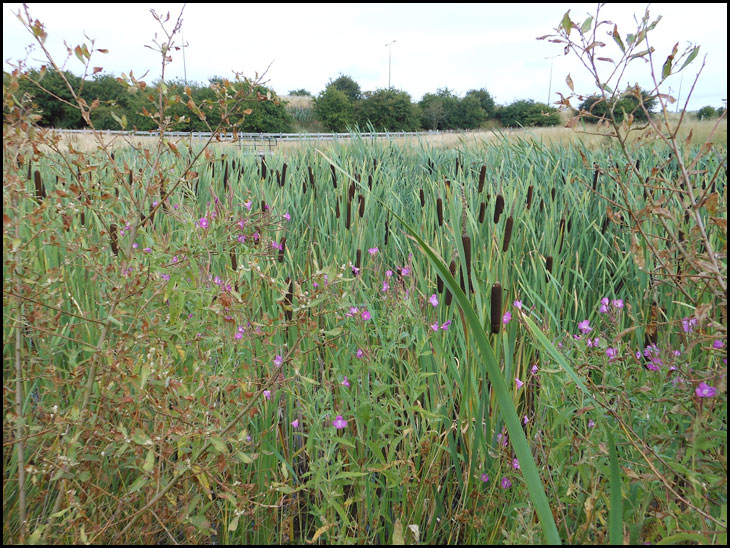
(470,114)
(627,103)
(348,86)
(334,109)
(707,113)
(486,101)
(388,110)
(301,92)
(529,113)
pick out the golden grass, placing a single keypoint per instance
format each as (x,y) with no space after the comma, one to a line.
(700,132)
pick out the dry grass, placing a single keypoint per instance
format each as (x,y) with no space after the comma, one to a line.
(699,131)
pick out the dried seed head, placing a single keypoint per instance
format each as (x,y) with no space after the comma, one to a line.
(282,247)
(482,211)
(334,176)
(507,234)
(440,211)
(362,205)
(548,266)
(482,178)
(423,198)
(496,308)
(498,208)
(113,238)
(529,196)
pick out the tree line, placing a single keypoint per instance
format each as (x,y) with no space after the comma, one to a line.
(341,106)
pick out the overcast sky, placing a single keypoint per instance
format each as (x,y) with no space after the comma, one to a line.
(459,46)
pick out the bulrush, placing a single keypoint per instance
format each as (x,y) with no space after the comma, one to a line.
(348,217)
(482,211)
(496,308)
(548,266)
(452,269)
(422,196)
(387,232)
(482,178)
(530,189)
(358,258)
(337,209)
(311,176)
(263,167)
(113,238)
(334,176)
(361,199)
(370,182)
(263,206)
(234,262)
(595,176)
(448,185)
(507,234)
(282,247)
(466,242)
(288,299)
(351,191)
(40,190)
(440,285)
(283,174)
(225,179)
(498,208)
(440,211)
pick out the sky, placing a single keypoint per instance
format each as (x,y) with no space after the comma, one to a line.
(432,46)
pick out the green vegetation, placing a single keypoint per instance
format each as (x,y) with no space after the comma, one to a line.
(506,342)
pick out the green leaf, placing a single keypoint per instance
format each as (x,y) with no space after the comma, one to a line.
(615,512)
(617,39)
(691,57)
(138,484)
(149,461)
(398,533)
(586,26)
(566,23)
(219,444)
(233,525)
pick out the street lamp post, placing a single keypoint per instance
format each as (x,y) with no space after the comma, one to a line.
(550,85)
(388,45)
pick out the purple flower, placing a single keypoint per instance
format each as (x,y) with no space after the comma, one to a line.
(688,324)
(373,250)
(506,318)
(248,204)
(366,315)
(605,301)
(435,326)
(389,273)
(718,344)
(267,394)
(359,353)
(485,478)
(519,383)
(518,304)
(603,309)
(612,353)
(506,483)
(339,423)
(592,343)
(405,271)
(534,369)
(386,287)
(295,423)
(278,361)
(525,420)
(203,222)
(515,464)
(135,245)
(345,382)
(584,326)
(591,424)
(287,216)
(618,303)
(705,391)
(434,300)
(445,325)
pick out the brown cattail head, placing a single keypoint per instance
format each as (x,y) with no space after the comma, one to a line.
(452,269)
(113,239)
(440,211)
(423,197)
(351,191)
(311,176)
(456,170)
(263,206)
(448,183)
(548,267)
(225,178)
(370,182)
(358,258)
(507,234)
(496,308)
(552,194)
(288,299)
(466,242)
(387,232)
(429,166)
(482,178)
(361,198)
(334,176)
(278,178)
(304,186)
(595,176)
(234,263)
(530,190)
(337,209)
(440,285)
(282,248)
(348,216)
(263,167)
(40,190)
(498,208)
(482,211)
(283,174)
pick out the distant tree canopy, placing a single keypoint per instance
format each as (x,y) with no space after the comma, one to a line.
(708,113)
(627,103)
(118,101)
(528,113)
(334,109)
(348,86)
(301,92)
(388,110)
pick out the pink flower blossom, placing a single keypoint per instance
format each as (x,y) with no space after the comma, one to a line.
(386,287)
(688,324)
(373,251)
(506,318)
(295,423)
(434,300)
(389,273)
(267,394)
(339,423)
(445,325)
(591,424)
(359,353)
(248,204)
(705,391)
(506,483)
(345,382)
(518,304)
(584,326)
(618,303)
(515,464)
(435,326)
(485,478)
(717,344)
(287,216)
(519,383)
(405,271)
(203,222)
(366,315)
(278,361)
(534,369)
